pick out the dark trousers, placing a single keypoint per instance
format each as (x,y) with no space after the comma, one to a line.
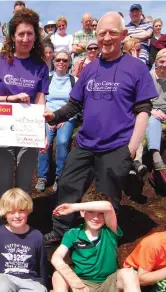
(108,169)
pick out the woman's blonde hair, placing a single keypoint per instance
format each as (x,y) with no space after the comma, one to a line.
(61,18)
(15,199)
(158,20)
(129,45)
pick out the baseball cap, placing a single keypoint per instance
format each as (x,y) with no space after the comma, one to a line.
(92,43)
(161,53)
(136,6)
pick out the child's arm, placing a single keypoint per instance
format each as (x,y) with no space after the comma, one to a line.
(65,271)
(104,207)
(149,278)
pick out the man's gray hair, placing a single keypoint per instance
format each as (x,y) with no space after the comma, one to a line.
(114,13)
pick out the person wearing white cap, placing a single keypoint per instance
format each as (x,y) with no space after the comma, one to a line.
(158,113)
(50,28)
(61,40)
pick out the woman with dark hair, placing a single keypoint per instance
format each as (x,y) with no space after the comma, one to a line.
(23,79)
(94,24)
(48,55)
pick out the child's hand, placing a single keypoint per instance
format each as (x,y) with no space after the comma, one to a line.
(63,209)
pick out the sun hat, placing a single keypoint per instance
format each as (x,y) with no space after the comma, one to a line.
(50,22)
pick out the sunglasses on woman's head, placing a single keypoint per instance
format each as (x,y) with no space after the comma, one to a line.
(61,59)
(93,49)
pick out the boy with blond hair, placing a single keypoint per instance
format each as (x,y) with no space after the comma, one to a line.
(94,250)
(23,258)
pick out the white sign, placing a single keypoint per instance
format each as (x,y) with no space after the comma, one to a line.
(22,125)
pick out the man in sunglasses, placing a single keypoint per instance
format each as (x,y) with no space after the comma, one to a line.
(114,92)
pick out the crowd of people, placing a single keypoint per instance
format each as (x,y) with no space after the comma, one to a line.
(111,77)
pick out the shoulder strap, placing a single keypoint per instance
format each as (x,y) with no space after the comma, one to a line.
(50,77)
(72,80)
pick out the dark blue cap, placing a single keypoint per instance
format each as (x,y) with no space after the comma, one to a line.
(135,6)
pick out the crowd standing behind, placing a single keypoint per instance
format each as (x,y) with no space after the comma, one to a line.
(102,72)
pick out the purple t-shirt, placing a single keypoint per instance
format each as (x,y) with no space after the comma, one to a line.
(23,255)
(108,91)
(24,75)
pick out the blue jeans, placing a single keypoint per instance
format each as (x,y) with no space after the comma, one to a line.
(153,133)
(63,136)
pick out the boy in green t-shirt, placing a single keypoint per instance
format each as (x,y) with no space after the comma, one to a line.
(94,250)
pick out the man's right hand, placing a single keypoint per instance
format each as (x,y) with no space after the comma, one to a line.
(158,114)
(48,115)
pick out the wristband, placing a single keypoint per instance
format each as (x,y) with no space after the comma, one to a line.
(7,98)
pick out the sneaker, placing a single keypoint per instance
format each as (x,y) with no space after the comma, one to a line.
(51,238)
(55,185)
(140,168)
(159,165)
(41,185)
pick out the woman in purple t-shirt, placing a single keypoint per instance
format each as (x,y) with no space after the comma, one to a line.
(23,79)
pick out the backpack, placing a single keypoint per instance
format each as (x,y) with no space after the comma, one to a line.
(157,178)
(72,80)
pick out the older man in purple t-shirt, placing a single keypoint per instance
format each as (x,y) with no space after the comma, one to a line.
(114,92)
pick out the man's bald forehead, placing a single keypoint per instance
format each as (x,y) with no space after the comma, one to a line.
(86,15)
(114,16)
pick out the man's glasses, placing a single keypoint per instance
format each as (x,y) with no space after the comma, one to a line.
(94,25)
(58,60)
(92,49)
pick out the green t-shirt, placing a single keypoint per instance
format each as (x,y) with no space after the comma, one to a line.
(95,260)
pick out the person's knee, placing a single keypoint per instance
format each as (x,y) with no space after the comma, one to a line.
(153,122)
(5,284)
(124,276)
(58,283)
(62,141)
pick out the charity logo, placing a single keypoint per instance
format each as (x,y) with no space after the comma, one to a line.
(100,86)
(18,81)
(16,258)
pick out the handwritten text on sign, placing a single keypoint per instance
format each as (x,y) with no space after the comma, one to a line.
(22,125)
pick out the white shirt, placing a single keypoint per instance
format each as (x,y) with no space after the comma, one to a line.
(62,43)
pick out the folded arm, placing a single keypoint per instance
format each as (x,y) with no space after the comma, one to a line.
(149,278)
(142,36)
